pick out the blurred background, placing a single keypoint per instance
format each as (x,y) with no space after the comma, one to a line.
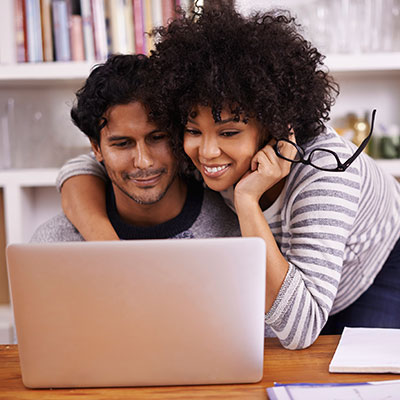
(47,48)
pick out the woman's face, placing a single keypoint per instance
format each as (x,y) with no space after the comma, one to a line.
(221,151)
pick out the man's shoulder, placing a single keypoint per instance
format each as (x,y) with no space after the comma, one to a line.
(56,229)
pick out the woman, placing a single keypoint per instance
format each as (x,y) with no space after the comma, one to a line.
(250,100)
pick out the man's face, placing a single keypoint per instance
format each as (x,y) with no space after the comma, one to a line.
(137,155)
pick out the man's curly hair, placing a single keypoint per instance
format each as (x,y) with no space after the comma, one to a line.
(258,66)
(122,79)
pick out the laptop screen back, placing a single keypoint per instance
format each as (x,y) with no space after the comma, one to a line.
(139,313)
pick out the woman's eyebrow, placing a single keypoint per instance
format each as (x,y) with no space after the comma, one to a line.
(224,121)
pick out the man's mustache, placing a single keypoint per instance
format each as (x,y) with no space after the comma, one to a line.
(144,173)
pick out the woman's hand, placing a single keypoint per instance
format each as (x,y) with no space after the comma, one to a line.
(267,169)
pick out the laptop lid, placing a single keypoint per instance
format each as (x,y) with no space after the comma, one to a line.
(139,313)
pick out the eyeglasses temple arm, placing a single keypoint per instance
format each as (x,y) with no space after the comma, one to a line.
(363,144)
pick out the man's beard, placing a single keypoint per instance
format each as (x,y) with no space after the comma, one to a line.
(142,200)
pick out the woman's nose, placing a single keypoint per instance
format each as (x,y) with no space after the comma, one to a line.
(209,148)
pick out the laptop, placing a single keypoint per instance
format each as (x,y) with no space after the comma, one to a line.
(139,313)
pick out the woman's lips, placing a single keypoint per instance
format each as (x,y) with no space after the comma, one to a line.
(214,171)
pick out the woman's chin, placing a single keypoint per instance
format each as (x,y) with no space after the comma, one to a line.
(217,185)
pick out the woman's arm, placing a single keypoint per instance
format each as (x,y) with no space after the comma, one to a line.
(267,172)
(84,203)
(310,228)
(82,185)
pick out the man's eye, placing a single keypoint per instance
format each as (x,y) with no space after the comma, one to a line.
(125,143)
(158,137)
(229,133)
(192,132)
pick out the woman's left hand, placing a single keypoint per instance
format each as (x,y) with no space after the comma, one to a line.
(267,169)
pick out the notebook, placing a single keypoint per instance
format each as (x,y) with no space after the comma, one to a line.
(367,350)
(139,313)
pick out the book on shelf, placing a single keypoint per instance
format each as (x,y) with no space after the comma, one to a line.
(20,31)
(99,29)
(138,22)
(8,51)
(62,44)
(76,37)
(34,30)
(148,24)
(47,30)
(120,26)
(130,31)
(168,11)
(77,30)
(87,28)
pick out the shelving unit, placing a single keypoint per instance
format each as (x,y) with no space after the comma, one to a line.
(30,197)
(374,62)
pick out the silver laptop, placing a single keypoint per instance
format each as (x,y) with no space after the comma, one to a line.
(139,313)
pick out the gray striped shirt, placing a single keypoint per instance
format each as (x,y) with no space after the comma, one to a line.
(336,230)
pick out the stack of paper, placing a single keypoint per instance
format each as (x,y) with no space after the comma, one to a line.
(368,350)
(382,390)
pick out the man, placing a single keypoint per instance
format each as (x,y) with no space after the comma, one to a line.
(147,195)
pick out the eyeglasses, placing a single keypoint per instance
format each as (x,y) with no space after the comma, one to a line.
(324,159)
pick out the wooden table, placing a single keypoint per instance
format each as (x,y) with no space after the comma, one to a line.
(280,365)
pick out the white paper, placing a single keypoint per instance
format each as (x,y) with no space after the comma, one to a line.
(389,391)
(368,350)
(382,390)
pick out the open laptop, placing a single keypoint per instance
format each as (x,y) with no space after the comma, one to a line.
(139,313)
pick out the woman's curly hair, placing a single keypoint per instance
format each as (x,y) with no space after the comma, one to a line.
(258,66)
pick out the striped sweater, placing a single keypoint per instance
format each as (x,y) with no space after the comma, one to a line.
(336,230)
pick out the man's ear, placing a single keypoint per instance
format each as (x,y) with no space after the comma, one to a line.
(97,150)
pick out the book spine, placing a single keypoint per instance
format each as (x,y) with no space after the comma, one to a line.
(140,46)
(61,30)
(47,34)
(34,30)
(117,28)
(20,41)
(168,11)
(76,34)
(8,51)
(87,26)
(157,12)
(100,32)
(148,24)
(130,31)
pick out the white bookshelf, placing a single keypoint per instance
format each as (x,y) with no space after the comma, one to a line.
(76,72)
(49,73)
(374,62)
(30,198)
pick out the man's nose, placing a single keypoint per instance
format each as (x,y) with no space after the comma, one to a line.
(209,147)
(143,158)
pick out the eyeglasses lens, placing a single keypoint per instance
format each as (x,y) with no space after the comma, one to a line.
(323,159)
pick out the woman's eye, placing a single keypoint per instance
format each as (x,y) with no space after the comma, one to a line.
(229,133)
(192,132)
